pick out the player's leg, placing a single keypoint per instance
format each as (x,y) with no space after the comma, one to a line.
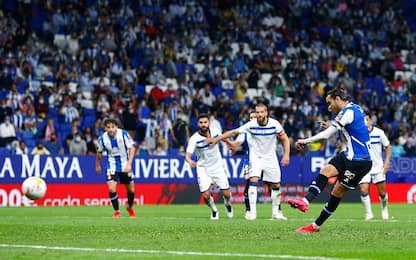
(246,171)
(252,198)
(365,196)
(275,195)
(255,173)
(226,194)
(220,178)
(204,182)
(271,176)
(246,200)
(335,166)
(209,201)
(127,180)
(112,192)
(380,181)
(355,171)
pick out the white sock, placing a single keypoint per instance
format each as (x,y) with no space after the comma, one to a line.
(211,204)
(252,198)
(275,197)
(315,226)
(227,201)
(367,204)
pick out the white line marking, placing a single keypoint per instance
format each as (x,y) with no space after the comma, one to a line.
(168,252)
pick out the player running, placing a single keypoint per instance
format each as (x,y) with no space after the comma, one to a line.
(120,150)
(210,167)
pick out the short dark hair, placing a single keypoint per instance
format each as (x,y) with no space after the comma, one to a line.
(110,120)
(262,105)
(204,115)
(338,92)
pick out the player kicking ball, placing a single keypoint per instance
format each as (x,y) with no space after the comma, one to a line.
(349,166)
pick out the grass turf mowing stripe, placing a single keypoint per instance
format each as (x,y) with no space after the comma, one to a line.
(167,252)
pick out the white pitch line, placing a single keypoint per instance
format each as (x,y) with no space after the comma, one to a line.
(169,252)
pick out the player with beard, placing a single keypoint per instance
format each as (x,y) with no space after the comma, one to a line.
(244,140)
(264,134)
(349,166)
(209,166)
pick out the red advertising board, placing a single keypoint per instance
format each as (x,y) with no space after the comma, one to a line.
(97,194)
(153,194)
(397,192)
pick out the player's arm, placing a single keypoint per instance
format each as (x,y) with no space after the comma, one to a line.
(98,157)
(132,151)
(188,159)
(320,136)
(286,145)
(189,151)
(222,137)
(387,160)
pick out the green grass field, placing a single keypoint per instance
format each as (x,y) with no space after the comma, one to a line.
(186,232)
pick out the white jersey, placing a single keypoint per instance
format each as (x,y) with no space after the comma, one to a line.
(262,140)
(208,155)
(378,140)
(117,149)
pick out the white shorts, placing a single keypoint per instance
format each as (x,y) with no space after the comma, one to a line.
(269,167)
(373,178)
(214,174)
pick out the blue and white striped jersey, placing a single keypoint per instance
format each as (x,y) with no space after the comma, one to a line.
(351,121)
(117,149)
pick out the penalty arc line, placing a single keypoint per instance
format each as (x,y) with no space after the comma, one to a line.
(169,252)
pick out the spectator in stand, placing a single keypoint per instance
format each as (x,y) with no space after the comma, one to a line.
(92,145)
(31,121)
(40,149)
(41,108)
(129,120)
(181,132)
(208,97)
(49,130)
(4,109)
(397,150)
(159,150)
(68,110)
(78,145)
(144,149)
(8,136)
(18,120)
(22,148)
(53,145)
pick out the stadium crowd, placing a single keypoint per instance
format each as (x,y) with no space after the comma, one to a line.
(155,65)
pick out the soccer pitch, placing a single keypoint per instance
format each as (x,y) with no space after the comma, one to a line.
(186,232)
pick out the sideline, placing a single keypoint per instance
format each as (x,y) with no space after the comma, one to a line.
(168,252)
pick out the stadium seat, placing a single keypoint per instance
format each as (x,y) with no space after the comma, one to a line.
(140,90)
(29,138)
(4,151)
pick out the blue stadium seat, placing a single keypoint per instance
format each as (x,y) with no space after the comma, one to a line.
(139,90)
(29,138)
(4,151)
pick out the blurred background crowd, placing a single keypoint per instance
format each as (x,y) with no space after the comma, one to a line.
(155,65)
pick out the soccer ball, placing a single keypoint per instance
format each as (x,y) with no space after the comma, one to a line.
(34,188)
